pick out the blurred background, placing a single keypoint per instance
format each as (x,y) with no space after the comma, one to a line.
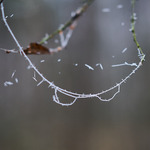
(30,120)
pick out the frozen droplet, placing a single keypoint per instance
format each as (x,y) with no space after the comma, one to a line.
(42,61)
(29,67)
(119,6)
(122,23)
(59,60)
(105,10)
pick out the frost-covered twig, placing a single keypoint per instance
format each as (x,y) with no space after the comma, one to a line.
(125,64)
(73,95)
(9,51)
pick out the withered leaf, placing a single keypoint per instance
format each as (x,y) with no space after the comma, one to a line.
(35,48)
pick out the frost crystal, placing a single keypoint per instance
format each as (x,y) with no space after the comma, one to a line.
(11,15)
(125,64)
(7,83)
(89,67)
(105,10)
(16,80)
(13,74)
(59,60)
(42,61)
(124,50)
(76,65)
(100,66)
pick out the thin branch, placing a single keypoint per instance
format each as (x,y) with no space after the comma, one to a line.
(133,21)
(39,49)
(76,15)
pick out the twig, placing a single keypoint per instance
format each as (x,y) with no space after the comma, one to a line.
(77,14)
(133,21)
